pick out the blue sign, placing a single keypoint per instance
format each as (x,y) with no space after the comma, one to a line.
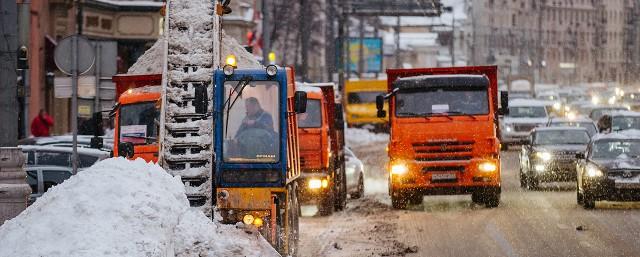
(372,54)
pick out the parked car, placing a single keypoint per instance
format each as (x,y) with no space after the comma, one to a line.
(355,174)
(524,115)
(61,156)
(549,155)
(41,178)
(67,141)
(609,169)
(580,122)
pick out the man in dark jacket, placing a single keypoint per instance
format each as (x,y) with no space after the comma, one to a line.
(41,124)
(256,117)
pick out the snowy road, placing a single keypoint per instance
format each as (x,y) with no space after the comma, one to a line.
(527,223)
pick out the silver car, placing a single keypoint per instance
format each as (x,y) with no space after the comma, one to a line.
(355,174)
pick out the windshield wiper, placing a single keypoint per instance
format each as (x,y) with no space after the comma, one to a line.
(462,113)
(423,115)
(242,84)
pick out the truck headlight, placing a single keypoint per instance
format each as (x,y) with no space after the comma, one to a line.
(399,169)
(488,166)
(593,171)
(315,183)
(325,183)
(544,156)
(539,168)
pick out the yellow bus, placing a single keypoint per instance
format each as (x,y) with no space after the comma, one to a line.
(361,103)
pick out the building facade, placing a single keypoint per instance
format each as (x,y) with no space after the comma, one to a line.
(555,41)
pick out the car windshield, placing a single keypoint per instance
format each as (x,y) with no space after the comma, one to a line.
(312,118)
(139,123)
(625,122)
(597,113)
(561,137)
(251,118)
(449,100)
(610,149)
(589,126)
(363,97)
(528,112)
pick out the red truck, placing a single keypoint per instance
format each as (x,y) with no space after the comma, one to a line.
(444,133)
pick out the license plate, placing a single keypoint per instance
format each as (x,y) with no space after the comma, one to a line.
(633,183)
(443,176)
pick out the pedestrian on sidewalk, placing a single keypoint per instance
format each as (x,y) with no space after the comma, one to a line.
(41,124)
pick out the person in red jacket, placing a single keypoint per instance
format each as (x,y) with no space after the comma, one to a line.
(41,124)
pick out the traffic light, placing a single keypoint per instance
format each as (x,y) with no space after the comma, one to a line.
(23,58)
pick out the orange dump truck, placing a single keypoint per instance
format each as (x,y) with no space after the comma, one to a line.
(443,133)
(136,116)
(321,133)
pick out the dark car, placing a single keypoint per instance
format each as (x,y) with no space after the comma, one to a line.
(549,155)
(610,169)
(581,122)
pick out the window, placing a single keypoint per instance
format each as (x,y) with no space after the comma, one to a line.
(139,123)
(561,137)
(312,118)
(31,158)
(32,180)
(54,159)
(528,112)
(250,122)
(609,149)
(442,100)
(85,161)
(52,178)
(363,97)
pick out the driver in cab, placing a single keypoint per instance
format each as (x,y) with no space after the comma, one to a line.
(255,138)
(256,117)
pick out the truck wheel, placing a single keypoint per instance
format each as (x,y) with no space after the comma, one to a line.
(491,198)
(476,197)
(588,201)
(325,204)
(398,200)
(340,200)
(360,191)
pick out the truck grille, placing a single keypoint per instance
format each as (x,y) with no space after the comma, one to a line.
(443,151)
(524,127)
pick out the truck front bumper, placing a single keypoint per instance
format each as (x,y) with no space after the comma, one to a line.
(313,186)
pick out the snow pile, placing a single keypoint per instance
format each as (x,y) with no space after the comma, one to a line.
(122,208)
(151,61)
(359,136)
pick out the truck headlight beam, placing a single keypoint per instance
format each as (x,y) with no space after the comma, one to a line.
(488,166)
(399,169)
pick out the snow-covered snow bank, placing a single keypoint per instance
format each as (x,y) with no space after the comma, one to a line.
(122,208)
(358,137)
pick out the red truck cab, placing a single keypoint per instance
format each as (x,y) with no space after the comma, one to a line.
(443,133)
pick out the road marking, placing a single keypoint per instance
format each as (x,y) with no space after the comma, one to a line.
(498,236)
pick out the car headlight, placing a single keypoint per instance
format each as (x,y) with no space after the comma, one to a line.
(487,166)
(544,156)
(593,171)
(557,106)
(399,169)
(315,183)
(350,170)
(539,168)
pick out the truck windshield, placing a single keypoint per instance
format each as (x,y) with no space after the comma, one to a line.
(363,97)
(139,123)
(313,117)
(528,112)
(442,100)
(250,122)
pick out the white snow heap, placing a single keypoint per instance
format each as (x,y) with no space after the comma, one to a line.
(122,208)
(151,61)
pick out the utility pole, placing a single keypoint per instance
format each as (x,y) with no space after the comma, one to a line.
(266,32)
(361,48)
(305,35)
(330,39)
(24,88)
(8,78)
(397,31)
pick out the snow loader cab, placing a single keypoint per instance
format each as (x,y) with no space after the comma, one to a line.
(256,149)
(321,132)
(137,116)
(444,133)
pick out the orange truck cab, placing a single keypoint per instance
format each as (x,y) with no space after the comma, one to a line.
(444,133)
(136,116)
(321,134)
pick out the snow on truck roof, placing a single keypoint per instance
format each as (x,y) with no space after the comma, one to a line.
(442,81)
(308,89)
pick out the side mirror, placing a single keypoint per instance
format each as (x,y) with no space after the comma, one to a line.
(380,106)
(580,156)
(125,150)
(200,101)
(339,117)
(504,103)
(300,102)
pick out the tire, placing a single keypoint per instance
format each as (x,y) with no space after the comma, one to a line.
(293,226)
(325,204)
(360,192)
(476,197)
(399,200)
(588,202)
(340,199)
(492,198)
